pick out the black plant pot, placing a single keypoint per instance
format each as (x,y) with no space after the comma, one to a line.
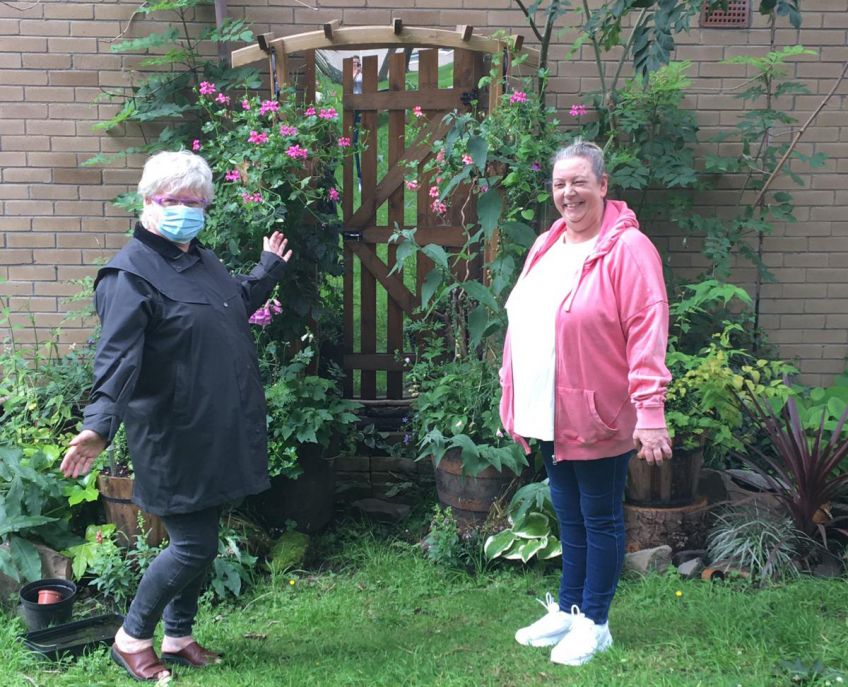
(308,500)
(36,615)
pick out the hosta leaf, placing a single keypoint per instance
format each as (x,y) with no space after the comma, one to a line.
(529,549)
(498,543)
(532,525)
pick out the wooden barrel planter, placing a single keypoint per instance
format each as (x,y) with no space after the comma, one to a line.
(116,493)
(470,498)
(670,484)
(662,505)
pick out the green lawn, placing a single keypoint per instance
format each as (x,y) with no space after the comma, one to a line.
(375,612)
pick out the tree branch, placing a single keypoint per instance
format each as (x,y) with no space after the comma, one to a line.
(533,27)
(800,134)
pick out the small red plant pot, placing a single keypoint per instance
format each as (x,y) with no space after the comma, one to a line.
(48,596)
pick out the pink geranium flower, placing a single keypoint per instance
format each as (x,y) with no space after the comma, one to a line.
(329,113)
(333,194)
(195,145)
(439,208)
(297,153)
(286,130)
(252,197)
(440,156)
(268,106)
(223,99)
(344,142)
(309,112)
(207,88)
(417,111)
(578,110)
(233,175)
(467,159)
(257,138)
(518,97)
(245,104)
(434,191)
(412,185)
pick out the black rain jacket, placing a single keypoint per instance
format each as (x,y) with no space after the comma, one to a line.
(176,361)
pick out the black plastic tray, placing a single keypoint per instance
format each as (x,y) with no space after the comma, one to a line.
(72,639)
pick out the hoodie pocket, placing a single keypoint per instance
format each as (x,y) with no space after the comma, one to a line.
(577,418)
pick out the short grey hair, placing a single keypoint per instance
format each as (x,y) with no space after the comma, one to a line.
(171,172)
(588,151)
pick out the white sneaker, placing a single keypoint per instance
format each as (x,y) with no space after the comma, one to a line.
(549,629)
(583,641)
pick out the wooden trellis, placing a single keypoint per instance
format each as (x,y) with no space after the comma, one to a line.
(363,234)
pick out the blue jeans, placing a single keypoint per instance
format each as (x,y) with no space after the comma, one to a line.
(171,585)
(588,497)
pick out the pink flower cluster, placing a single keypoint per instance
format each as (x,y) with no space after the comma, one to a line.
(257,138)
(245,104)
(233,175)
(518,97)
(578,110)
(440,156)
(329,113)
(268,106)
(297,153)
(434,191)
(412,185)
(252,197)
(333,194)
(207,88)
(344,142)
(467,159)
(309,112)
(266,313)
(223,99)
(439,207)
(417,111)
(195,145)
(286,130)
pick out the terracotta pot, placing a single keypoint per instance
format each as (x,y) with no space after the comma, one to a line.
(48,596)
(116,493)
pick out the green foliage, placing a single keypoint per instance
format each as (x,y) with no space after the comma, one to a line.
(33,508)
(822,406)
(273,164)
(442,543)
(164,96)
(234,567)
(304,409)
(42,390)
(533,528)
(765,544)
(457,408)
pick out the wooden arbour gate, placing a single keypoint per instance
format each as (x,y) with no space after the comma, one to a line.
(363,234)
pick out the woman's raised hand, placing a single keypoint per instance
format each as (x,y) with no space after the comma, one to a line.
(276,244)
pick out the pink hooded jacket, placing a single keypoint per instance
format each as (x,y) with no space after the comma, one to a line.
(612,332)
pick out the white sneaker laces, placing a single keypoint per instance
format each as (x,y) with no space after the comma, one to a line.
(550,604)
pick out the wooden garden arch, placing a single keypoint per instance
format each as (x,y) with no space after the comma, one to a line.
(361,230)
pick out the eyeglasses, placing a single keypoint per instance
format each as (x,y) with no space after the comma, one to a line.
(168,201)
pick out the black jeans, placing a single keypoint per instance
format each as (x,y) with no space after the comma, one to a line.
(171,585)
(588,497)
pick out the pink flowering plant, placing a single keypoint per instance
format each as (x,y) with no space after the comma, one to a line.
(273,162)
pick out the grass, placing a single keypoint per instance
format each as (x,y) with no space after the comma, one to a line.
(378,614)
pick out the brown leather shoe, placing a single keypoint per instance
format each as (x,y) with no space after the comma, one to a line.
(144,665)
(192,655)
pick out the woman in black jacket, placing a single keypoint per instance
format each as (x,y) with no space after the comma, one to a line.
(176,362)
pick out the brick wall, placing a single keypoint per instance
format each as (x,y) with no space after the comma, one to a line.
(57,223)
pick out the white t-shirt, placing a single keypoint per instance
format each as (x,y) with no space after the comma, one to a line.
(532,309)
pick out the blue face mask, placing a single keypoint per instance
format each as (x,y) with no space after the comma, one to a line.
(180,223)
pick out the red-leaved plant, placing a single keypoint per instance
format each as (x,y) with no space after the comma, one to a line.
(803,470)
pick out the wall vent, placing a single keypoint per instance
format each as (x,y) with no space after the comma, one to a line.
(737,16)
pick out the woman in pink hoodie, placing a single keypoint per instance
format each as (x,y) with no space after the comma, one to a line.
(584,374)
